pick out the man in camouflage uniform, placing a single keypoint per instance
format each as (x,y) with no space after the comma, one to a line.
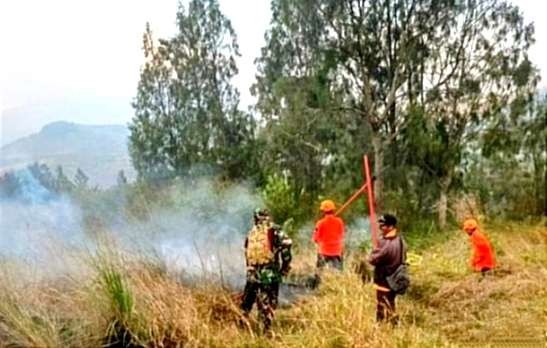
(268,257)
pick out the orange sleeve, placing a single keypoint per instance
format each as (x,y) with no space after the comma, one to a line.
(317,232)
(476,257)
(476,252)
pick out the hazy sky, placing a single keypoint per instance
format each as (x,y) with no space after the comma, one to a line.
(74,51)
(55,48)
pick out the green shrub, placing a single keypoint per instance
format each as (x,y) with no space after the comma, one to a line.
(280,198)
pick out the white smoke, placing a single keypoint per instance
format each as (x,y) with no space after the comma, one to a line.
(203,234)
(358,232)
(200,233)
(37,227)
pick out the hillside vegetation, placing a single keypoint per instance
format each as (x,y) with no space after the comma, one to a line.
(99,150)
(122,300)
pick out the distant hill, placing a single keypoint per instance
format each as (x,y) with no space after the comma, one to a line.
(21,121)
(100,151)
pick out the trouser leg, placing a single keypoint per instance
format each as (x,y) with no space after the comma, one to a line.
(321,261)
(249,297)
(486,271)
(391,300)
(320,264)
(385,305)
(336,262)
(324,261)
(267,303)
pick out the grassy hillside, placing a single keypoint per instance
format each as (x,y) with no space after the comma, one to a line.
(117,297)
(100,151)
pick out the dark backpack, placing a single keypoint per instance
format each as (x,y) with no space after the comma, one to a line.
(399,280)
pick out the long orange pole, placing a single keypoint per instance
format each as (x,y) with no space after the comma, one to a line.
(372,213)
(351,199)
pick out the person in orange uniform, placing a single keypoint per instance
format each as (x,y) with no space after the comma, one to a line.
(329,237)
(482,259)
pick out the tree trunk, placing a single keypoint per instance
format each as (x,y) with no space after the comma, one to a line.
(378,147)
(540,180)
(443,200)
(541,184)
(545,188)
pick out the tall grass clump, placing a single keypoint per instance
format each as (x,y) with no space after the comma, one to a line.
(121,306)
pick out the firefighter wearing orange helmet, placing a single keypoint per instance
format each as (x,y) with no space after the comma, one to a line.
(329,237)
(482,259)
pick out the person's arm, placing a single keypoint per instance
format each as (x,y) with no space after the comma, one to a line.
(285,244)
(317,233)
(245,252)
(378,254)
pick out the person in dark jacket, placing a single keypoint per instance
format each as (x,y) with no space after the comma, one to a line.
(388,255)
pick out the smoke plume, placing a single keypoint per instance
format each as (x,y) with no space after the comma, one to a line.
(200,233)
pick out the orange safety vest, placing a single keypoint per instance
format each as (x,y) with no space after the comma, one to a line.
(329,235)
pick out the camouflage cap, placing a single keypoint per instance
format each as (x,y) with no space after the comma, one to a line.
(261,213)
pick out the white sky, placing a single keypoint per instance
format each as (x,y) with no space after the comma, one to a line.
(63,50)
(56,48)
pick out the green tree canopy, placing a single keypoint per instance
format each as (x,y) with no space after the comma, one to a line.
(186,109)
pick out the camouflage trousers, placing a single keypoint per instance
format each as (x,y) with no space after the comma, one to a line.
(265,296)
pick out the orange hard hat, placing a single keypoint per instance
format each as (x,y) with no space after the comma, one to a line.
(327,206)
(470,225)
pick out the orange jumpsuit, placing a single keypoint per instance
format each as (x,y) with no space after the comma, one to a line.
(483,255)
(329,235)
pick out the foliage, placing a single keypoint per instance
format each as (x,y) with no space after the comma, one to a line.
(9,184)
(63,183)
(42,173)
(487,77)
(506,169)
(417,83)
(186,110)
(359,55)
(280,198)
(81,179)
(36,180)
(116,289)
(121,180)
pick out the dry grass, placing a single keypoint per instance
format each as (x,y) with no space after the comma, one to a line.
(122,298)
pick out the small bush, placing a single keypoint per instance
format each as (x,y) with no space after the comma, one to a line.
(279,197)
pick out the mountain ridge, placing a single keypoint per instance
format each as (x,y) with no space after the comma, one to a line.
(99,150)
